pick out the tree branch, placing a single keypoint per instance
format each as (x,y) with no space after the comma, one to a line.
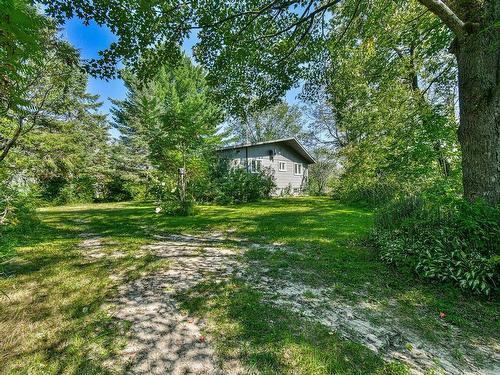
(302,19)
(440,9)
(13,140)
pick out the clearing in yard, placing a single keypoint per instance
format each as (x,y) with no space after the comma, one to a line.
(283,286)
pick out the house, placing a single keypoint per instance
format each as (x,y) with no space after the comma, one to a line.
(287,159)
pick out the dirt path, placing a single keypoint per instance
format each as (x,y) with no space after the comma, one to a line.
(164,340)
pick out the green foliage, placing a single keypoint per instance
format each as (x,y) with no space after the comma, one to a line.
(167,125)
(449,240)
(119,190)
(278,121)
(17,206)
(166,194)
(51,133)
(172,204)
(256,51)
(324,173)
(24,36)
(387,105)
(237,185)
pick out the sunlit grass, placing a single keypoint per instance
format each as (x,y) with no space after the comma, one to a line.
(53,317)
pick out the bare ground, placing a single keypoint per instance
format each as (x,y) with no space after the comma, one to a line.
(165,340)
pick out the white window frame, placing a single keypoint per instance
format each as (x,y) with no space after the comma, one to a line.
(258,165)
(300,169)
(284,166)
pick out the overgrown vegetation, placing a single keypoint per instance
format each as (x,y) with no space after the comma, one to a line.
(447,241)
(381,89)
(237,185)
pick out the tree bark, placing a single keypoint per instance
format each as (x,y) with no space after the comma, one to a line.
(478,59)
(477,49)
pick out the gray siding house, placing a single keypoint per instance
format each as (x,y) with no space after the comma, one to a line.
(287,159)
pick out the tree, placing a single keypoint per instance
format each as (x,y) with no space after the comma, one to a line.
(65,151)
(262,47)
(173,121)
(398,83)
(279,121)
(24,34)
(38,94)
(51,134)
(323,171)
(477,49)
(133,117)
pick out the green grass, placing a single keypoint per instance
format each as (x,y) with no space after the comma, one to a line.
(273,340)
(53,320)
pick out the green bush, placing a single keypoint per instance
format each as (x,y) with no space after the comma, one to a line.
(237,185)
(173,205)
(61,191)
(371,193)
(442,239)
(17,209)
(167,196)
(117,190)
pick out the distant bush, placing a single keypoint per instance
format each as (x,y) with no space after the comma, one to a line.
(445,240)
(61,191)
(237,185)
(372,193)
(118,190)
(17,209)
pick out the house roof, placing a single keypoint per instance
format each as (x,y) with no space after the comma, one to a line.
(291,142)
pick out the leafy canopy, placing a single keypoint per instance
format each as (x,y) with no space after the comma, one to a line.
(256,50)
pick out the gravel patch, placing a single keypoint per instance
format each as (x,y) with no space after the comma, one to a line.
(165,340)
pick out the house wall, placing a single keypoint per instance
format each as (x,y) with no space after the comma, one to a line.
(283,153)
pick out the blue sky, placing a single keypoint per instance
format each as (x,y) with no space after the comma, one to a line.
(93,38)
(89,40)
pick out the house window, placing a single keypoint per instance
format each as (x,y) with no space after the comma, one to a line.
(255,166)
(282,166)
(297,169)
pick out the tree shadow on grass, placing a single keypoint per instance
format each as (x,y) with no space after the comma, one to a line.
(273,340)
(320,233)
(51,315)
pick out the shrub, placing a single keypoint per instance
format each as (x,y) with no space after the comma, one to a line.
(445,240)
(236,185)
(167,197)
(117,190)
(173,205)
(17,209)
(371,193)
(60,191)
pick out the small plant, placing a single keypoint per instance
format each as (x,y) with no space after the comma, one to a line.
(452,241)
(309,294)
(286,192)
(169,201)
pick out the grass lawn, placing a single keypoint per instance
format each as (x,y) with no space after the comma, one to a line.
(53,317)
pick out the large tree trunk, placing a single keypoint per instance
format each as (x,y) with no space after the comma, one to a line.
(478,58)
(477,48)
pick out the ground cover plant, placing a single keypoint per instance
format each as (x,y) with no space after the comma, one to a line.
(453,241)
